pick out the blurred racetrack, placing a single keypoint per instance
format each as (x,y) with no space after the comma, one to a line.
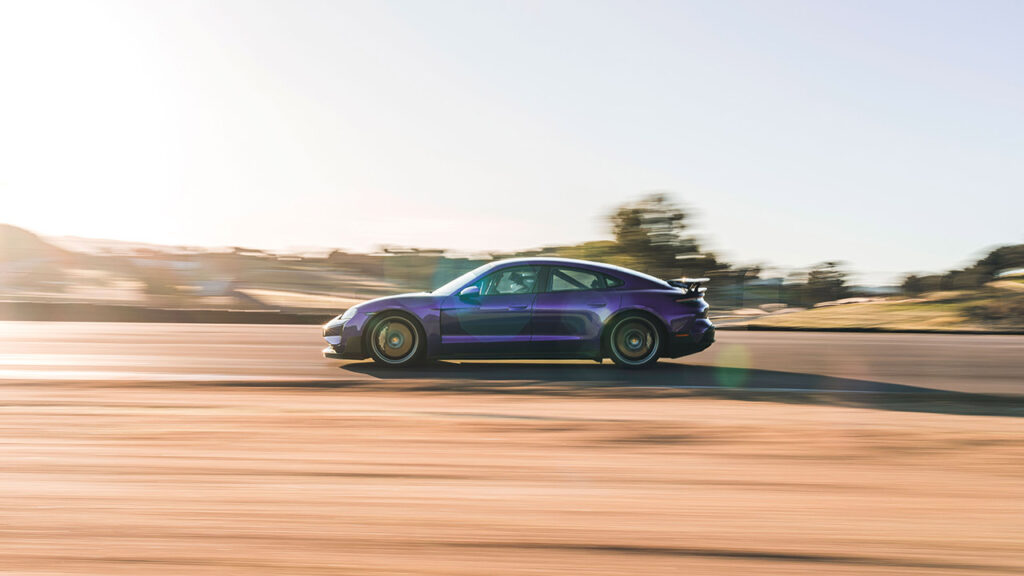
(87,351)
(237,449)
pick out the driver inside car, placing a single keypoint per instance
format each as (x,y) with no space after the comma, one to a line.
(520,284)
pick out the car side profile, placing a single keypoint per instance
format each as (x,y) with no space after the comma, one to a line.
(538,308)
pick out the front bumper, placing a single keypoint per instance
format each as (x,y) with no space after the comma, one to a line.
(343,341)
(329,352)
(343,353)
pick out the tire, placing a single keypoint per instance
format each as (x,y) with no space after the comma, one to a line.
(634,341)
(395,340)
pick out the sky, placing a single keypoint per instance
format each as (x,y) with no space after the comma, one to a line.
(885,134)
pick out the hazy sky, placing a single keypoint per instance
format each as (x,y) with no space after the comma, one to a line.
(886,134)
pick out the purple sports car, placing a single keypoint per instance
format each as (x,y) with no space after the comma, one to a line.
(531,308)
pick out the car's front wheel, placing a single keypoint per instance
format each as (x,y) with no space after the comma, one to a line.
(395,340)
(634,341)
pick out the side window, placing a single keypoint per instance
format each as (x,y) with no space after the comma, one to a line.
(565,279)
(515,280)
(612,281)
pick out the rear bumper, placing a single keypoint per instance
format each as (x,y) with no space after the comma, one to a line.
(698,338)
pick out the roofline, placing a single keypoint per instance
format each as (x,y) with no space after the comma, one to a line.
(556,260)
(541,260)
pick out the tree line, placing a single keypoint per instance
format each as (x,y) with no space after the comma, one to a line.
(993,266)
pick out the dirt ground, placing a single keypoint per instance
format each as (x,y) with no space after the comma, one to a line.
(304,479)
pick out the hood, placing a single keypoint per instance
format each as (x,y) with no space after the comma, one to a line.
(402,300)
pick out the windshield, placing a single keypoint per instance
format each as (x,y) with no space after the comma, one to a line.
(461,281)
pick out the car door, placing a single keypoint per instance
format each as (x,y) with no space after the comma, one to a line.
(497,321)
(569,314)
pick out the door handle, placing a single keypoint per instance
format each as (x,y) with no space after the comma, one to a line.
(518,306)
(595,304)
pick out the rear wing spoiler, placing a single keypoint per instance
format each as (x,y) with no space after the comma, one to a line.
(692,286)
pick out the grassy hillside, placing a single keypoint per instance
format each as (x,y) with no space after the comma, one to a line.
(997,306)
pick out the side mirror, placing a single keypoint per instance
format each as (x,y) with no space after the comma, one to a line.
(470,293)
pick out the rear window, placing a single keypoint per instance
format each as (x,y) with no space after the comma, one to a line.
(567,279)
(612,281)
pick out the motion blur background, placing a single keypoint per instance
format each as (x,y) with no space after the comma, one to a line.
(176,176)
(81,279)
(298,156)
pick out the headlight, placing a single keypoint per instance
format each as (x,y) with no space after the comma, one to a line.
(348,313)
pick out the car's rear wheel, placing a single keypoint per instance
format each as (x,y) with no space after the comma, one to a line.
(396,340)
(634,341)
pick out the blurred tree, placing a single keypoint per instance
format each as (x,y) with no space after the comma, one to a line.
(913,284)
(650,235)
(826,282)
(1000,260)
(985,270)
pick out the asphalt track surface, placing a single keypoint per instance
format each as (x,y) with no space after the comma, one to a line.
(232,449)
(809,361)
